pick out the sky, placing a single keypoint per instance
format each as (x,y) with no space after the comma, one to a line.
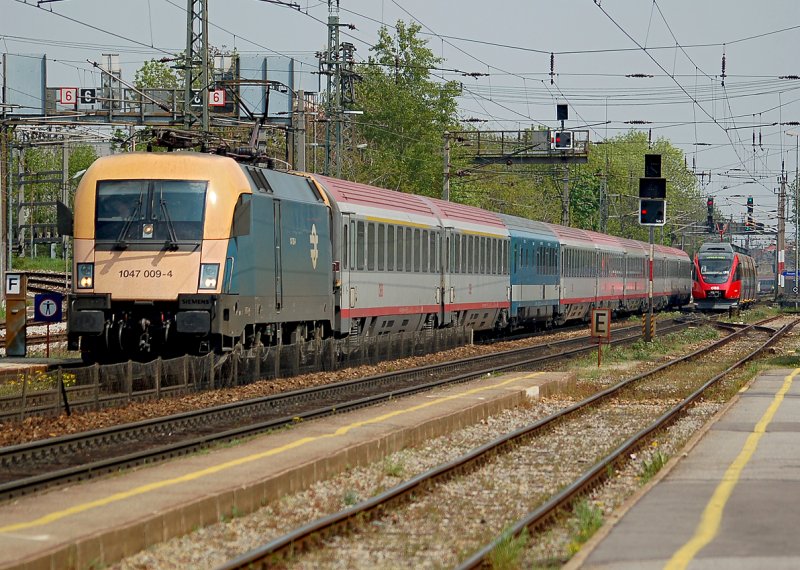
(501,52)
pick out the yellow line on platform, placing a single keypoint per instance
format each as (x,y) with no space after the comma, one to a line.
(710,522)
(83,507)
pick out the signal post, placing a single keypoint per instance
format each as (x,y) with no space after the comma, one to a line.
(652,213)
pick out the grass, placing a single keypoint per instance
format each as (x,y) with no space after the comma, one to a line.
(393,468)
(350,498)
(36,381)
(39,264)
(587,518)
(509,551)
(641,350)
(652,465)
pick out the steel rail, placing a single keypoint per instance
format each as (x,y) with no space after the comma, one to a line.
(266,555)
(599,471)
(279,410)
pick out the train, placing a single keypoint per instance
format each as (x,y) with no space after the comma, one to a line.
(724,277)
(187,252)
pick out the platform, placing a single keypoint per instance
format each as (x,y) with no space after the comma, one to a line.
(732,503)
(100,522)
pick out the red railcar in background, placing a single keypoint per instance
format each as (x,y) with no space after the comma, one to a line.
(724,276)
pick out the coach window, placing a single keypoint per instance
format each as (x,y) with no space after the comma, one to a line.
(455,259)
(381,246)
(468,254)
(475,248)
(352,244)
(481,258)
(505,257)
(424,262)
(390,248)
(434,251)
(345,247)
(371,246)
(360,245)
(410,249)
(417,251)
(400,242)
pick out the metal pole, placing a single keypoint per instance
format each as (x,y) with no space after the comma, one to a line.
(300,129)
(796,215)
(648,336)
(565,198)
(780,246)
(446,183)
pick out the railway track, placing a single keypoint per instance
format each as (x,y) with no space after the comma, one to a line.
(33,466)
(524,444)
(48,281)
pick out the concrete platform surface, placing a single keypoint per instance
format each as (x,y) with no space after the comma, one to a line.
(732,503)
(99,522)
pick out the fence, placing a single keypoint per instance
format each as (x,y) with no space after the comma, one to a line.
(50,393)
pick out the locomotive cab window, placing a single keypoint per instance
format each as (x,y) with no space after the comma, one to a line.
(134,212)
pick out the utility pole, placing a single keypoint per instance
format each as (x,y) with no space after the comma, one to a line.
(299,125)
(333,105)
(565,198)
(446,183)
(780,253)
(5,159)
(604,200)
(195,64)
(65,200)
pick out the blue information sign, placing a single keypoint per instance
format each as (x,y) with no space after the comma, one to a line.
(47,307)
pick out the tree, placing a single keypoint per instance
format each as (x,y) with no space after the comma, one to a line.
(155,74)
(406,113)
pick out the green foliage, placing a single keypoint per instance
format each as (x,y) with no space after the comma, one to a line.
(39,159)
(653,465)
(509,551)
(393,468)
(350,498)
(38,263)
(406,114)
(155,74)
(587,519)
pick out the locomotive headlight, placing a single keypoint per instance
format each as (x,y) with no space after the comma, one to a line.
(85,277)
(208,275)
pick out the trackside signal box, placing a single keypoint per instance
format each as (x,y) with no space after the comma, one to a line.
(652,212)
(655,188)
(560,140)
(16,292)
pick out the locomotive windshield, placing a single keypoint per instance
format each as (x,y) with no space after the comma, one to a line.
(715,268)
(166,212)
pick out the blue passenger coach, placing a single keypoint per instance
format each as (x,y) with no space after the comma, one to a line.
(535,268)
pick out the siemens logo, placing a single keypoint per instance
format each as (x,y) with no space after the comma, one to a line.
(194,302)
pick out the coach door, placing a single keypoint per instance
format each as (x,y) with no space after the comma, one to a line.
(445,294)
(278,256)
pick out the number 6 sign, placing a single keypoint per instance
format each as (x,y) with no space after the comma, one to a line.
(68,95)
(216,98)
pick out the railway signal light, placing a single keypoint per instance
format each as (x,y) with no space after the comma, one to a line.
(652,166)
(652,212)
(710,218)
(561,140)
(655,188)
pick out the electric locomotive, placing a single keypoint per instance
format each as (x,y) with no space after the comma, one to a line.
(186,252)
(723,277)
